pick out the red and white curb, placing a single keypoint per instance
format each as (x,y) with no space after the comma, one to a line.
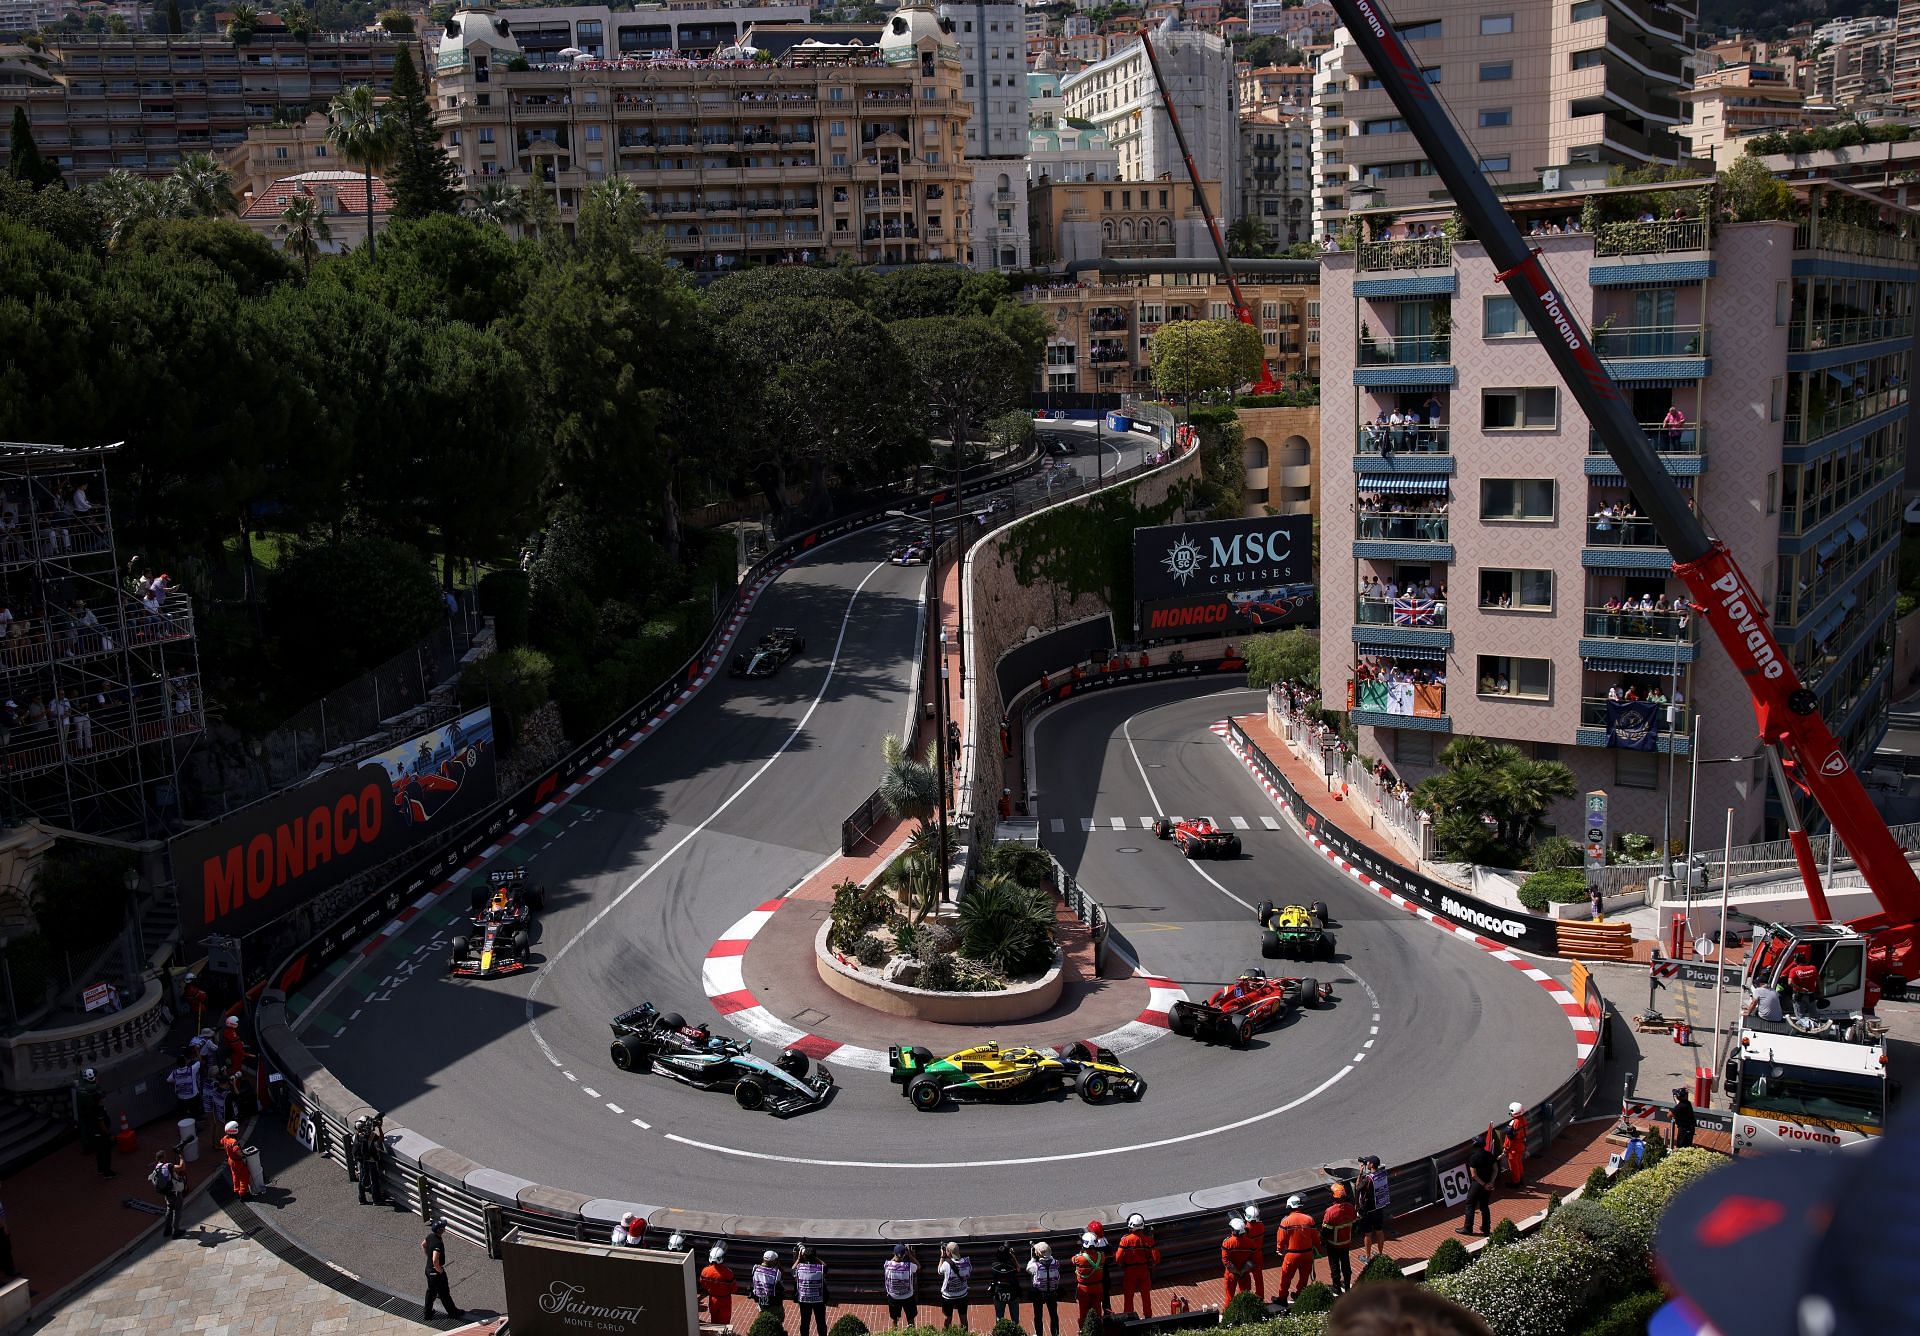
(1586,1028)
(723,975)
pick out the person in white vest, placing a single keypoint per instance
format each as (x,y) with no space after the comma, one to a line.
(1043,1276)
(956,1280)
(901,1277)
(766,1286)
(810,1289)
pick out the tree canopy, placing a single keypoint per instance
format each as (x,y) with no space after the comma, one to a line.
(1199,357)
(1489,802)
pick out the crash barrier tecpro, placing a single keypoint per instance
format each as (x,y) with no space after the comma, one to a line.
(1087,641)
(482,1204)
(1514,927)
(1640,1109)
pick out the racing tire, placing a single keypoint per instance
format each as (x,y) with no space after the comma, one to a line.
(457,954)
(1319,911)
(926,1094)
(1180,1018)
(1094,1086)
(1326,946)
(1243,1032)
(1263,913)
(672,1020)
(1233,846)
(630,1054)
(1270,945)
(794,1063)
(1191,850)
(749,1094)
(1310,994)
(1162,828)
(537,900)
(522,943)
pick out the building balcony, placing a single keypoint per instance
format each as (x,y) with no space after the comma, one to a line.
(1417,350)
(1864,243)
(1673,628)
(1402,705)
(1609,531)
(1401,526)
(1630,342)
(1689,439)
(1814,335)
(1405,253)
(1412,613)
(1669,719)
(1804,428)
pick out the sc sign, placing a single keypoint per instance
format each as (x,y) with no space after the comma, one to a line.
(1453,1184)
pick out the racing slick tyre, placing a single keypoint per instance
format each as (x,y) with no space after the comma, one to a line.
(672,1020)
(1263,913)
(1192,850)
(1270,945)
(629,1053)
(1319,911)
(537,900)
(1310,994)
(793,1062)
(522,943)
(926,1094)
(1326,946)
(749,1094)
(1162,828)
(1180,1018)
(459,953)
(1094,1086)
(1233,847)
(1242,1031)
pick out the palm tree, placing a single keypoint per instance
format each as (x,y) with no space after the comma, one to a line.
(126,201)
(357,127)
(910,788)
(498,203)
(205,186)
(303,229)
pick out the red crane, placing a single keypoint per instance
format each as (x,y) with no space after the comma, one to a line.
(1242,312)
(1803,752)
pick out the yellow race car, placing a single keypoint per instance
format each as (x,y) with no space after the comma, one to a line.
(1299,931)
(990,1072)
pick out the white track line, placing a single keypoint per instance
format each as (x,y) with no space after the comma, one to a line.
(1126,730)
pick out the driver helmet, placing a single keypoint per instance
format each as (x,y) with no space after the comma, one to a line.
(500,898)
(716,1044)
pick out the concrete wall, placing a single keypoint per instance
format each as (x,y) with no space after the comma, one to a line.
(1288,439)
(1906,653)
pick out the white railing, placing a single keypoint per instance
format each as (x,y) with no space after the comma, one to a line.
(1387,805)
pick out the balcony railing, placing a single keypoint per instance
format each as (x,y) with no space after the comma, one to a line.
(1683,440)
(1862,241)
(1667,718)
(1651,341)
(1401,526)
(1817,334)
(1404,611)
(1607,531)
(1428,700)
(1804,428)
(1408,351)
(1620,624)
(1406,253)
(1655,238)
(1378,438)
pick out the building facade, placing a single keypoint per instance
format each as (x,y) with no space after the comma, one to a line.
(1786,351)
(824,152)
(1534,85)
(1091,219)
(139,104)
(1289,87)
(993,74)
(544,31)
(1119,97)
(1906,56)
(1276,166)
(1735,101)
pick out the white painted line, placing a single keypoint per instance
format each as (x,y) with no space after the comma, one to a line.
(1269,823)
(1146,823)
(1239,822)
(570,1076)
(1368,1044)
(1374,1030)
(643,1125)
(591,1093)
(1057,826)
(356,1014)
(1119,823)
(1086,825)
(616,1108)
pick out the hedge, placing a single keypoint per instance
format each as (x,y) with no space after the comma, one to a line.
(1555,886)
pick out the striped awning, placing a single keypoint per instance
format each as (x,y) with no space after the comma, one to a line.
(1409,484)
(1423,653)
(1645,667)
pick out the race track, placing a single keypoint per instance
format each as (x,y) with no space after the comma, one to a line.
(738,797)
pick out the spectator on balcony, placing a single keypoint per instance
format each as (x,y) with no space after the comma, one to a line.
(1671,426)
(1432,409)
(83,724)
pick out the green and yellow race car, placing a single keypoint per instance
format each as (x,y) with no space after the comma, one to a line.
(1299,931)
(989,1072)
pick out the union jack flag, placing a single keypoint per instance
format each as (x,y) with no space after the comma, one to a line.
(1413,612)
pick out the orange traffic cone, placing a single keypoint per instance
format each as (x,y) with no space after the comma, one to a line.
(124,1140)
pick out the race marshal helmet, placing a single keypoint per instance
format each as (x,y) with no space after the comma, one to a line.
(769,1257)
(1516,1107)
(717,1253)
(1237,1225)
(1340,1191)
(1086,1239)
(1136,1221)
(629,1220)
(233,1127)
(233,1022)
(1295,1202)
(677,1243)
(1251,1213)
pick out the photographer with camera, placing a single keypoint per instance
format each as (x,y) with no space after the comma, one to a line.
(366,1159)
(169,1178)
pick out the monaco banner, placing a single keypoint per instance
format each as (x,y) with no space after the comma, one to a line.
(1224,577)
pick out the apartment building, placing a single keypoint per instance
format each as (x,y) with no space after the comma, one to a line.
(339,196)
(836,150)
(1286,86)
(993,76)
(1119,97)
(1534,84)
(1301,25)
(1276,168)
(1906,56)
(544,31)
(1857,68)
(1735,101)
(1102,324)
(139,104)
(274,152)
(1787,352)
(1059,149)
(1076,221)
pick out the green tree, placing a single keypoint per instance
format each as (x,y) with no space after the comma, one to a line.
(736,293)
(300,22)
(966,370)
(125,201)
(1246,238)
(1199,357)
(70,217)
(498,203)
(358,129)
(441,268)
(1488,803)
(205,187)
(1753,193)
(613,218)
(342,607)
(24,162)
(396,20)
(1283,656)
(242,23)
(303,230)
(422,179)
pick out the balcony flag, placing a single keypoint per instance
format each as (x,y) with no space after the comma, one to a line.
(1633,724)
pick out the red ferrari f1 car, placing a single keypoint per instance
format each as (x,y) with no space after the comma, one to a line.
(1198,837)
(1246,1004)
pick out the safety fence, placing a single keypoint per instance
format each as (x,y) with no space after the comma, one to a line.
(1320,745)
(1749,860)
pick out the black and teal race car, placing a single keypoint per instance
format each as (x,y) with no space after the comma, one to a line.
(988,1072)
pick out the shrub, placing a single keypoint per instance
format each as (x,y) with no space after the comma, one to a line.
(869,951)
(1382,1267)
(908,940)
(1555,886)
(1504,1233)
(1315,1298)
(938,939)
(849,1325)
(1529,1288)
(939,975)
(1006,1326)
(516,682)
(1656,1149)
(1628,1316)
(856,911)
(1638,1202)
(1597,1182)
(1007,926)
(340,608)
(767,1325)
(1093,1325)
(505,597)
(1554,851)
(1599,1227)
(1554,1203)
(1243,1308)
(1024,863)
(1449,1257)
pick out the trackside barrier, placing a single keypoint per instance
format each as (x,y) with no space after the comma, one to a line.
(1512,927)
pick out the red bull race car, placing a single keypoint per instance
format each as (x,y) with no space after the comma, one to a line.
(1198,837)
(499,930)
(1245,1005)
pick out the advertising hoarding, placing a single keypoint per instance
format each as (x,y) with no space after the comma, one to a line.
(556,1287)
(1224,577)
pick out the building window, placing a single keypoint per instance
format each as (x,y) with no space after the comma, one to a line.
(1412,747)
(1501,164)
(1269,311)
(1496,71)
(1530,679)
(1501,319)
(1516,498)
(1773,493)
(1776,398)
(1415,32)
(1534,409)
(486,137)
(1586,60)
(1782,303)
(1636,769)
(1529,590)
(1389,125)
(593,134)
(1492,118)
(1060,354)
(1588,9)
(838,159)
(1496,25)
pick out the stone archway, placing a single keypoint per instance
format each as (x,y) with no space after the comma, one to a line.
(1255,456)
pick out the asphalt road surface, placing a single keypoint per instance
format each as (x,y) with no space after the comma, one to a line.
(739,797)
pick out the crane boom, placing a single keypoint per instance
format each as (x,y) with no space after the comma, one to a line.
(1810,758)
(1241,311)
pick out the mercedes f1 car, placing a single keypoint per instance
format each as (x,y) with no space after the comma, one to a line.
(1246,1004)
(1297,931)
(765,659)
(500,927)
(648,1040)
(1199,837)
(988,1072)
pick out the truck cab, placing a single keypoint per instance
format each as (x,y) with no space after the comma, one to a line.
(1835,954)
(1790,1092)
